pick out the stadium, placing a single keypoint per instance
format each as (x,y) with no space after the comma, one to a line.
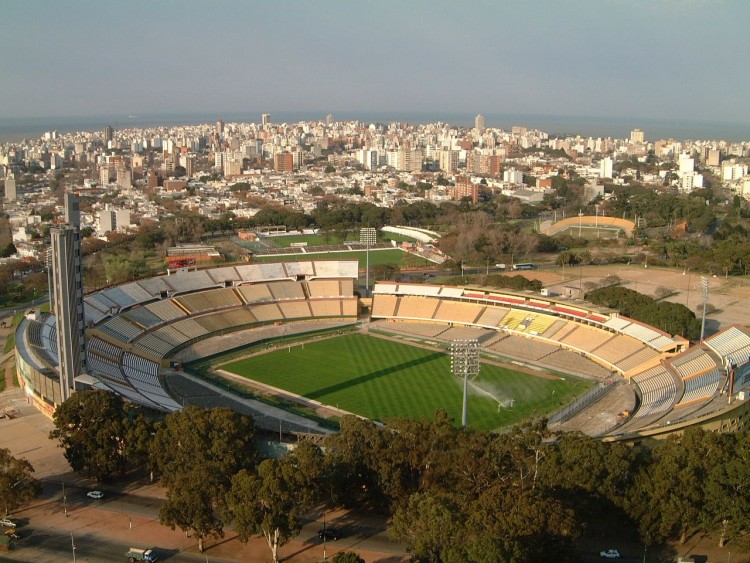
(641,382)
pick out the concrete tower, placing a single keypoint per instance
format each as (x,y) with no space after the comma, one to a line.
(66,296)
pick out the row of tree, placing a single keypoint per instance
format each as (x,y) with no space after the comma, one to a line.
(672,318)
(452,494)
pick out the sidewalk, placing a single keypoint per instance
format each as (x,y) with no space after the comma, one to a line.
(26,436)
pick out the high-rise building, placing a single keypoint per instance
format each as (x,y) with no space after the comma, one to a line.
(72,205)
(448,160)
(265,119)
(10,188)
(108,134)
(713,157)
(66,290)
(219,126)
(606,168)
(479,123)
(283,162)
(329,119)
(636,136)
(113,220)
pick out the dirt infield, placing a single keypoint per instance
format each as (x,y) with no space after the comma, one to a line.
(591,221)
(728,297)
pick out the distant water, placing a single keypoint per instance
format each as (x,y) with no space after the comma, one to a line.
(16,129)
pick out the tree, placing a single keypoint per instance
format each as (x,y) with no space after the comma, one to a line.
(99,434)
(17,485)
(727,499)
(190,505)
(271,501)
(197,451)
(430,526)
(668,497)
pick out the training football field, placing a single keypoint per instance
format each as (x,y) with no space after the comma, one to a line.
(378,379)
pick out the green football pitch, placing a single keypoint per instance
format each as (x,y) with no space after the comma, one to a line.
(379,379)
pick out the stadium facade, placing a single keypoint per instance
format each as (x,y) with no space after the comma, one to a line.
(135,333)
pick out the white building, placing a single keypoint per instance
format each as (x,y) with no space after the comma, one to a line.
(606,168)
(513,176)
(113,220)
(691,181)
(687,164)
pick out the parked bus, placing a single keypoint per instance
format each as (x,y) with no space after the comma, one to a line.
(526,266)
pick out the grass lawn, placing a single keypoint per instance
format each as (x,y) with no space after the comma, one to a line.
(590,232)
(393,257)
(311,240)
(332,238)
(379,379)
(10,342)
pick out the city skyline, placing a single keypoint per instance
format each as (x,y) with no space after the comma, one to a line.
(599,59)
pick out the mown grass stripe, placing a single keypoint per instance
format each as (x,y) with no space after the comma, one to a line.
(378,379)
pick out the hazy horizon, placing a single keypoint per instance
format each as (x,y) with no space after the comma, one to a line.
(17,128)
(670,60)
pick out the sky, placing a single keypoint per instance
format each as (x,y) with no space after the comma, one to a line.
(654,59)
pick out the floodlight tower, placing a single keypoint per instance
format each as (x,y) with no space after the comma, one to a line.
(368,236)
(465,364)
(704,292)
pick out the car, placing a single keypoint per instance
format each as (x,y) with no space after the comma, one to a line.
(328,534)
(95,494)
(8,521)
(610,554)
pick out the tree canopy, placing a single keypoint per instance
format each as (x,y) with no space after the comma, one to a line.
(197,451)
(17,483)
(672,318)
(101,435)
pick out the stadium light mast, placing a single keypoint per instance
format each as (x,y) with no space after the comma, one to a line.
(704,292)
(368,236)
(465,364)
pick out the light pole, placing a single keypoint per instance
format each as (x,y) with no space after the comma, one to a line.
(368,236)
(704,291)
(73,545)
(324,535)
(580,221)
(465,364)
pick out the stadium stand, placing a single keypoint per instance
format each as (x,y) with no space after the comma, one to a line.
(692,363)
(209,300)
(121,329)
(701,387)
(256,293)
(224,276)
(658,389)
(295,309)
(414,307)
(325,307)
(324,288)
(571,362)
(187,282)
(267,312)
(286,290)
(220,322)
(732,342)
(492,317)
(166,310)
(586,338)
(456,311)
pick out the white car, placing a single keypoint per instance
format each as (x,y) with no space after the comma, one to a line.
(8,522)
(610,554)
(95,494)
